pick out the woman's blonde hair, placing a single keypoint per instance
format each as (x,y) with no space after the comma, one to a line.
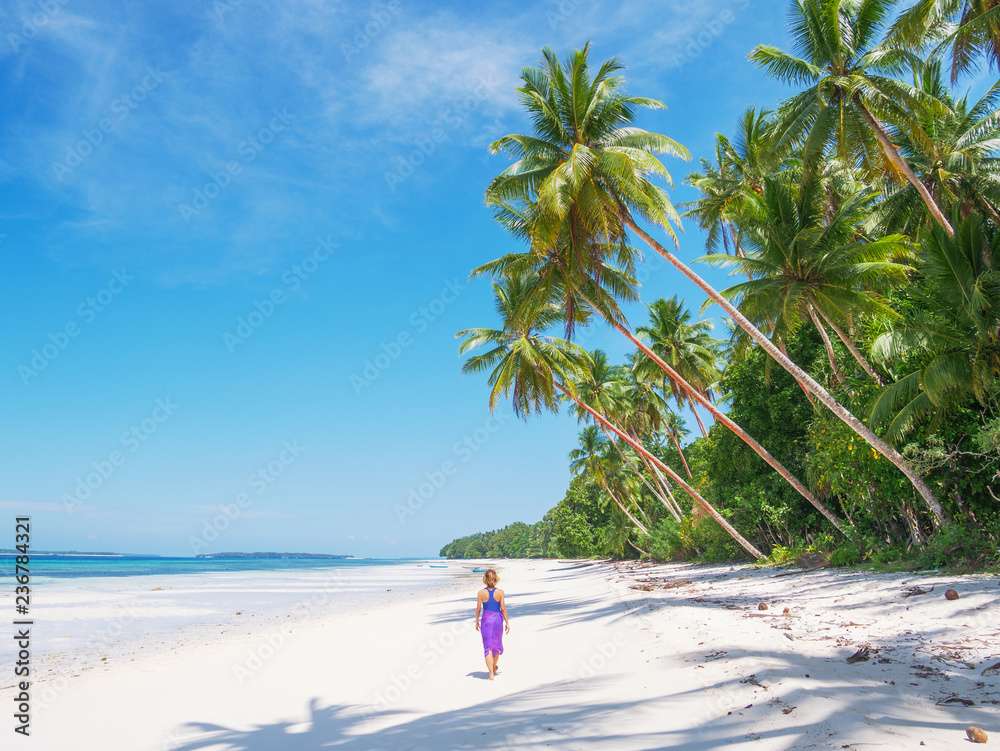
(490,578)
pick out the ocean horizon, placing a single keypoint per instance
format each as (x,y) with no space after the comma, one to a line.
(71,566)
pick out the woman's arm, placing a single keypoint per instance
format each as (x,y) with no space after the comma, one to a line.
(503,609)
(479,608)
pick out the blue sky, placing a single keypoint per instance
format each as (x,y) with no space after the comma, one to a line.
(234,245)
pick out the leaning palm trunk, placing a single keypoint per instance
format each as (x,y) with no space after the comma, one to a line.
(722,417)
(677,446)
(745,544)
(697,417)
(642,477)
(664,487)
(625,511)
(865,365)
(800,375)
(831,356)
(890,151)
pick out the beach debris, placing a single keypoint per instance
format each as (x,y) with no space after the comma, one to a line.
(786,611)
(861,655)
(992,670)
(951,594)
(789,636)
(976,735)
(955,699)
(762,606)
(239,612)
(156,589)
(788,710)
(914,591)
(642,587)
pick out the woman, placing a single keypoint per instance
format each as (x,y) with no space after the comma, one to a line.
(490,602)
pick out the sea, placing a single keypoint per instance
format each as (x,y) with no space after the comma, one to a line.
(60,566)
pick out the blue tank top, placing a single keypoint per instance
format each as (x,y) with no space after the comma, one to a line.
(492,605)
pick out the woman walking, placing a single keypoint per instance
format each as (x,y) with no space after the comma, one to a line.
(490,603)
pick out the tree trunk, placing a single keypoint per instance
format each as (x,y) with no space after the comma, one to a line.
(865,365)
(720,416)
(697,417)
(677,446)
(666,486)
(643,552)
(745,544)
(642,477)
(631,518)
(894,457)
(826,343)
(890,151)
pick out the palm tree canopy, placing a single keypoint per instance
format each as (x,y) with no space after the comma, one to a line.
(585,161)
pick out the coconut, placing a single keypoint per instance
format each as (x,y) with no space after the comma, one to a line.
(951,594)
(976,735)
(762,606)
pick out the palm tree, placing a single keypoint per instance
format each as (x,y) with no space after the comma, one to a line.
(549,272)
(739,170)
(587,172)
(534,369)
(687,347)
(590,458)
(954,337)
(851,90)
(971,27)
(954,151)
(805,268)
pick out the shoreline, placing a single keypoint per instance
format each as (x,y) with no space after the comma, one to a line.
(599,656)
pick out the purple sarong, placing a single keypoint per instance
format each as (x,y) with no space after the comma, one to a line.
(491,628)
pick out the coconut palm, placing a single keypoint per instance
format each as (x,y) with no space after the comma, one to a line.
(971,28)
(687,347)
(851,90)
(588,172)
(740,166)
(953,336)
(533,369)
(804,268)
(953,148)
(549,272)
(591,458)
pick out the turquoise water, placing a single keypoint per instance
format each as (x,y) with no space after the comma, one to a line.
(72,566)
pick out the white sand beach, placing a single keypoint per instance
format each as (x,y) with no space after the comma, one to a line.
(590,663)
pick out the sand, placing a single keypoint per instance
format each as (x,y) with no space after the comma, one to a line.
(590,663)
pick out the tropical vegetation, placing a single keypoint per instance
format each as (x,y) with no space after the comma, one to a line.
(851,405)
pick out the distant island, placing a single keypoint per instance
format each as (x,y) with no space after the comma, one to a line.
(11,551)
(273,555)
